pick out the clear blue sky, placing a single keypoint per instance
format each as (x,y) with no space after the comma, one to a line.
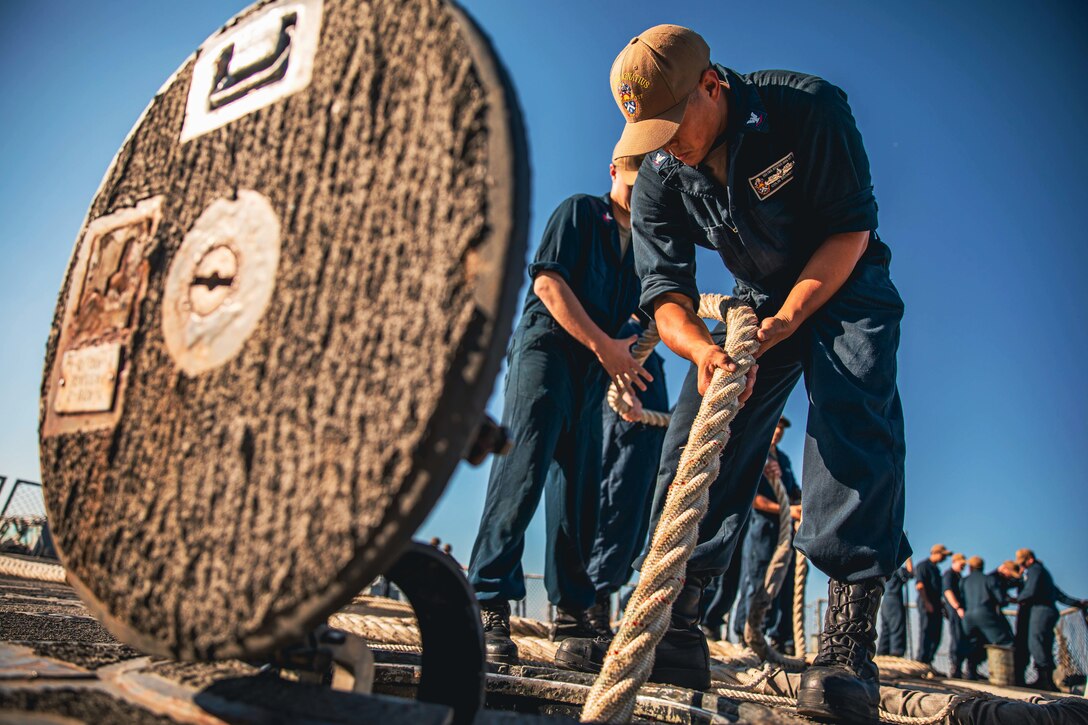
(974,117)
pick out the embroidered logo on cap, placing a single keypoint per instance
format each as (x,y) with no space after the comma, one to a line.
(774,177)
(627,98)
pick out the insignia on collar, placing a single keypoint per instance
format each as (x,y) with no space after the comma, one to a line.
(659,158)
(773,178)
(607,216)
(755,119)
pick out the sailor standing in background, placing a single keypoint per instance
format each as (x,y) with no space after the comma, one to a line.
(952,593)
(1038,596)
(893,613)
(983,597)
(928,584)
(761,542)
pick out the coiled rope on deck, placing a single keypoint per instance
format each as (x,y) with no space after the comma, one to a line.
(630,656)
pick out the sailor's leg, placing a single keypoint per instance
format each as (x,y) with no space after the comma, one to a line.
(537,409)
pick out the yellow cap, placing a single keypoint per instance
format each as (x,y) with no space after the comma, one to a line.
(651,79)
(940,549)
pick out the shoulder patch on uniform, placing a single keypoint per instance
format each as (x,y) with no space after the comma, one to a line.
(774,177)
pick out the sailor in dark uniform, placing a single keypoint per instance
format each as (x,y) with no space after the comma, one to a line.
(769,171)
(927,577)
(952,596)
(583,290)
(1038,596)
(983,597)
(893,613)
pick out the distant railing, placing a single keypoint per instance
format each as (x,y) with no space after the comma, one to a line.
(23,528)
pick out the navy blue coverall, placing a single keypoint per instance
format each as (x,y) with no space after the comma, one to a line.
(552,406)
(983,622)
(952,581)
(893,615)
(929,623)
(1039,596)
(797,174)
(721,592)
(629,459)
(759,546)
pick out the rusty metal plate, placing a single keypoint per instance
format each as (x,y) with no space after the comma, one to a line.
(106,281)
(282,321)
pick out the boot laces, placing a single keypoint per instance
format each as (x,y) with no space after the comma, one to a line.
(845,639)
(494,619)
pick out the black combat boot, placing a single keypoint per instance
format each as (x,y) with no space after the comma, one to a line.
(682,658)
(600,616)
(495,615)
(571,623)
(843,683)
(1045,680)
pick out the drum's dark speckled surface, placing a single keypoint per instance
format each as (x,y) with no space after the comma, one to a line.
(224,513)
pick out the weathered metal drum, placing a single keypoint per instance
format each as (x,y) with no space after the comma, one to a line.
(282,320)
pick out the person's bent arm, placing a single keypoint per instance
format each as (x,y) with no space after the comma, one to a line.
(613,354)
(686,335)
(766,505)
(824,275)
(950,596)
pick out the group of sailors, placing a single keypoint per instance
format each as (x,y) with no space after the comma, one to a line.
(767,169)
(972,603)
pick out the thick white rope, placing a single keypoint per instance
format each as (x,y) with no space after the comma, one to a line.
(630,656)
(29,569)
(800,580)
(640,351)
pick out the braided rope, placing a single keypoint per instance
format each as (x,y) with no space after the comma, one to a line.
(640,351)
(800,579)
(630,656)
(28,569)
(937,717)
(762,597)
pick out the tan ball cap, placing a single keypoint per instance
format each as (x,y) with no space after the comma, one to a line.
(651,79)
(627,167)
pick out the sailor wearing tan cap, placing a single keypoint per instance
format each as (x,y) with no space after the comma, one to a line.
(768,169)
(928,582)
(952,592)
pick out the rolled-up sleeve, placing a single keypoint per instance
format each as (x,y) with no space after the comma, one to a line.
(833,165)
(664,250)
(561,247)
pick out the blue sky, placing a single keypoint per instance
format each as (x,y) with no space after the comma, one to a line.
(973,115)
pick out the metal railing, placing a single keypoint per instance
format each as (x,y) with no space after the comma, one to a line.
(23,528)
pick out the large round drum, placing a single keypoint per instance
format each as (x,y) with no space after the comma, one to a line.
(282,321)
